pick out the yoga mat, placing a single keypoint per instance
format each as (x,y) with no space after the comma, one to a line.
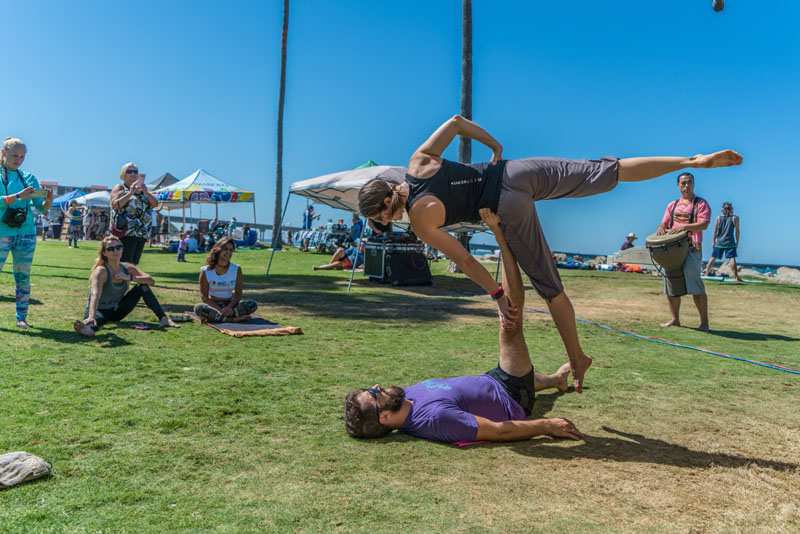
(255,326)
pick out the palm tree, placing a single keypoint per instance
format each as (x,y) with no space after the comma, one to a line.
(276,233)
(464,143)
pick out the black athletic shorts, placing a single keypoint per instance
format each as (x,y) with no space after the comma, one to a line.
(520,388)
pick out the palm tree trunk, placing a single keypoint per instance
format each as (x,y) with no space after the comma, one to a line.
(276,225)
(464,143)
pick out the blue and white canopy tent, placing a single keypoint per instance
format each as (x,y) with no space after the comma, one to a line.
(63,201)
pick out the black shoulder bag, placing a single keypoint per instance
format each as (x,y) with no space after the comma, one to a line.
(14,217)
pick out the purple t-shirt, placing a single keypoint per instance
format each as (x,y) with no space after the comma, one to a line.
(444,409)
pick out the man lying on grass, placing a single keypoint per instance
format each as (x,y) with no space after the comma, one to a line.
(491,407)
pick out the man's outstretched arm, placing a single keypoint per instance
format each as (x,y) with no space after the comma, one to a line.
(489,430)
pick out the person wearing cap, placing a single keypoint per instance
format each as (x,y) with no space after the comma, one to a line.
(629,239)
(726,239)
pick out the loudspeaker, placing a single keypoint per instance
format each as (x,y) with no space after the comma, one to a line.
(408,269)
(373,262)
(399,264)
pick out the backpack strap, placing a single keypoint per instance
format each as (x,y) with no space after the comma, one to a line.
(672,214)
(692,214)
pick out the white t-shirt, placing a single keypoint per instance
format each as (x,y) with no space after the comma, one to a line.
(221,286)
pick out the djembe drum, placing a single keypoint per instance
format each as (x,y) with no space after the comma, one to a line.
(669,252)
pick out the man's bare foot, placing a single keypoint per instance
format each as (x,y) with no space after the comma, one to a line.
(561,377)
(703,327)
(671,322)
(723,158)
(579,369)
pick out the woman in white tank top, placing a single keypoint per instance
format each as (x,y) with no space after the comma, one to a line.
(221,287)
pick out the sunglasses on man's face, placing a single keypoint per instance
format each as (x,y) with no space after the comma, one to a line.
(132,171)
(375,393)
(113,248)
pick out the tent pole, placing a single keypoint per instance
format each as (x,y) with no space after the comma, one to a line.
(358,247)
(280,225)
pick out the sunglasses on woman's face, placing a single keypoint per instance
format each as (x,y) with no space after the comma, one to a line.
(132,171)
(113,248)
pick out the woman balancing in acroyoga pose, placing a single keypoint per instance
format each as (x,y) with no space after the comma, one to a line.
(438,192)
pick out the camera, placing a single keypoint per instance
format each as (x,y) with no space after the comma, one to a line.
(15,217)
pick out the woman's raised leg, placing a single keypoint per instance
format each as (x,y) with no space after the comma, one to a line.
(639,169)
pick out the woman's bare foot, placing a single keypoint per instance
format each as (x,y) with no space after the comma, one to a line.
(723,158)
(671,322)
(83,329)
(582,364)
(561,377)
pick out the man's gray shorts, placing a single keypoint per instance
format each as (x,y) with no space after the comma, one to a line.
(528,180)
(692,269)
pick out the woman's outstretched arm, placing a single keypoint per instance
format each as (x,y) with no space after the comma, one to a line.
(441,240)
(97,281)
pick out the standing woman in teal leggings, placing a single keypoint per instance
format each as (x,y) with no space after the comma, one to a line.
(20,192)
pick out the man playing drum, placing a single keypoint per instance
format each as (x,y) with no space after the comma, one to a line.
(692,214)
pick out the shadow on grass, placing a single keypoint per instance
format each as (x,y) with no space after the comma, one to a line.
(637,448)
(544,402)
(69,337)
(7,298)
(86,269)
(326,296)
(751,336)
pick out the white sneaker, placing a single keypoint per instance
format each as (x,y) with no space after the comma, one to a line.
(23,325)
(166,322)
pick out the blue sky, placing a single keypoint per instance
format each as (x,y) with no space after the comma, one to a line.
(179,85)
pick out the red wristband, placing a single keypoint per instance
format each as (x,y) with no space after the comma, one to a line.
(497,293)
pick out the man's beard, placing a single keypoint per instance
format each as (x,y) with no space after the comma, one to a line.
(396,395)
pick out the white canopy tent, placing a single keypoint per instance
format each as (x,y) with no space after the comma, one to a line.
(340,190)
(98,199)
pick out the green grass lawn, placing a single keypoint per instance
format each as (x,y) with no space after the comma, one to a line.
(190,430)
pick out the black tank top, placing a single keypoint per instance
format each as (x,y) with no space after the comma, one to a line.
(463,189)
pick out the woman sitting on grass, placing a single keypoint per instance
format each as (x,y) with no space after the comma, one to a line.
(221,287)
(343,259)
(109,298)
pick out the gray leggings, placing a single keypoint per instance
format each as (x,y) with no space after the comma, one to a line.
(528,180)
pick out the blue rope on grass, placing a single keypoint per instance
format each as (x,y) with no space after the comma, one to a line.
(774,366)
